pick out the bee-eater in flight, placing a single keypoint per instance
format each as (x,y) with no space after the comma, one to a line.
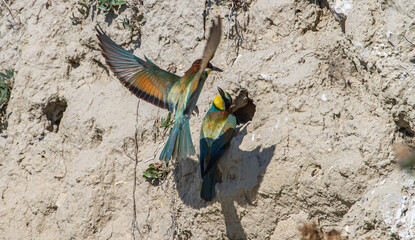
(163,89)
(218,128)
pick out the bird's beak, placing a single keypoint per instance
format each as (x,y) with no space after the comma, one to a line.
(227,102)
(222,94)
(216,69)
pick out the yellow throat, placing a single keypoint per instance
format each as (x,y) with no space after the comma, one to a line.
(208,71)
(219,104)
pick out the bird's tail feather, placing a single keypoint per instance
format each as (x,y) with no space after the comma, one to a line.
(208,185)
(179,145)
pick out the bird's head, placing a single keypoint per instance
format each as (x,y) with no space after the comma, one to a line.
(209,68)
(223,100)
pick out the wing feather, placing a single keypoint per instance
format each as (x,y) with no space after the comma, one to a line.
(212,44)
(216,145)
(143,78)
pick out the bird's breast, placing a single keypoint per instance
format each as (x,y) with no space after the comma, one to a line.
(213,124)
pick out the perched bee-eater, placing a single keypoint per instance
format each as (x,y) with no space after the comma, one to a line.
(164,89)
(218,128)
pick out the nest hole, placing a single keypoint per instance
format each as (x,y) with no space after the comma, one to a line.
(74,61)
(407,132)
(404,127)
(53,111)
(75,65)
(243,107)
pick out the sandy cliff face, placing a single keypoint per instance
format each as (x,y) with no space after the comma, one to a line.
(333,92)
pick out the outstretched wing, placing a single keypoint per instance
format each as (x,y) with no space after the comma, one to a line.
(210,48)
(143,78)
(212,43)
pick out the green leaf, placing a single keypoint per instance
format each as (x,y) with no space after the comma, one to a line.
(119,3)
(146,175)
(153,174)
(10,73)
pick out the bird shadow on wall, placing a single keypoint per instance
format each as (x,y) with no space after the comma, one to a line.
(240,175)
